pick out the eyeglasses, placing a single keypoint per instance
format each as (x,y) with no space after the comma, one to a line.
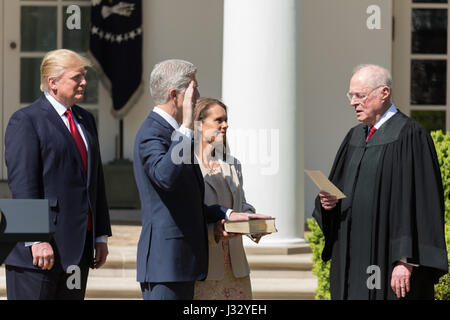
(361,96)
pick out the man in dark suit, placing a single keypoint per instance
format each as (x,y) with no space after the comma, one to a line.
(52,152)
(173,246)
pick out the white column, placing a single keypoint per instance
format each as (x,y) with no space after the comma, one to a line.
(261,68)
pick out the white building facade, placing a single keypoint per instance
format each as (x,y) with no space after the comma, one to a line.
(281,66)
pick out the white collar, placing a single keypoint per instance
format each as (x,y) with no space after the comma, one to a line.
(59,107)
(386,116)
(171,120)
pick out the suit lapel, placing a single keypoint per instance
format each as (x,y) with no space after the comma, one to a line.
(231,177)
(55,118)
(153,115)
(207,179)
(202,172)
(197,170)
(195,167)
(59,124)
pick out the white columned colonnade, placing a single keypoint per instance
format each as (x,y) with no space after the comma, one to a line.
(261,86)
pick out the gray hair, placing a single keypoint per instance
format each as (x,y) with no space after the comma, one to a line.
(379,76)
(170,74)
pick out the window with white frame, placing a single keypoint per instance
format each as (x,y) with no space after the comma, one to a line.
(43,28)
(421,61)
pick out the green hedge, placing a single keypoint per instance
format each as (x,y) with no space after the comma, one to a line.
(442,144)
(320,269)
(316,239)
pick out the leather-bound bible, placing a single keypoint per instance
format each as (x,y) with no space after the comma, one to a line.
(253,226)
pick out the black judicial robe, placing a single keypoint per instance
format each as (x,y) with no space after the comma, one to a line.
(394,209)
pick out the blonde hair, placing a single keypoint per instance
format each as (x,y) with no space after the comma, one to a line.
(56,62)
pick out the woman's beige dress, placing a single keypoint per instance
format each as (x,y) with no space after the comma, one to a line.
(217,191)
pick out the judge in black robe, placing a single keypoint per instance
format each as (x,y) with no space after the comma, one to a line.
(393,210)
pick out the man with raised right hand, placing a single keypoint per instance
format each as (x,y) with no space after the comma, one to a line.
(173,246)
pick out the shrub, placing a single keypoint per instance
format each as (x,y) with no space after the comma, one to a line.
(320,269)
(442,289)
(442,144)
(317,242)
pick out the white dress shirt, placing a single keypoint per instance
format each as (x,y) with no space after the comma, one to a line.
(386,116)
(174,124)
(61,109)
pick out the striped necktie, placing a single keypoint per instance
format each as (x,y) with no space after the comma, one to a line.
(371,132)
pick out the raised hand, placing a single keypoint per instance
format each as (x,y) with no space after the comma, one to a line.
(190,98)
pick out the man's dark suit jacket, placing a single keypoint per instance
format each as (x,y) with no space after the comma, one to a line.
(44,163)
(173,246)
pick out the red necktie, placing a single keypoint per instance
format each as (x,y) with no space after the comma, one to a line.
(371,132)
(81,149)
